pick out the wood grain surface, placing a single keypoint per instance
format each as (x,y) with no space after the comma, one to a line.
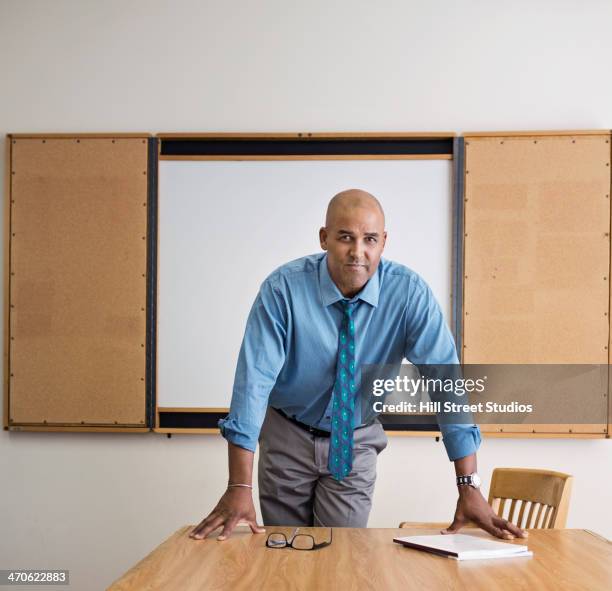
(368,559)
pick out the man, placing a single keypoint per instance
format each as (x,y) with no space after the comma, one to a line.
(314,321)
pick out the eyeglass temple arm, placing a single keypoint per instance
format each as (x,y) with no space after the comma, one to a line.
(322,544)
(295,531)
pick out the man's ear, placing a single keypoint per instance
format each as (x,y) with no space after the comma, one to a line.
(384,238)
(323,238)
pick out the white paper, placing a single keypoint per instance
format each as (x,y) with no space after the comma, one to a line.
(468,547)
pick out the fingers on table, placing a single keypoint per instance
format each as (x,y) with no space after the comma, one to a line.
(501,528)
(454,527)
(514,529)
(211,523)
(256,529)
(231,524)
(228,528)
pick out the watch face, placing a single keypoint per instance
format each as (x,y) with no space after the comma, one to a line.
(476,480)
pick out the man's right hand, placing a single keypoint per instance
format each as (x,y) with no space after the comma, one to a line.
(236,505)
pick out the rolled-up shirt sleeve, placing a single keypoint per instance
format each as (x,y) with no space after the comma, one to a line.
(262,356)
(430,342)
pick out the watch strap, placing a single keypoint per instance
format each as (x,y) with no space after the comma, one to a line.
(465,480)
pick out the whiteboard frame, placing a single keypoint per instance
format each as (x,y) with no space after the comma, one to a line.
(318,146)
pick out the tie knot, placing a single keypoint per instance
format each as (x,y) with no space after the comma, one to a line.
(348,307)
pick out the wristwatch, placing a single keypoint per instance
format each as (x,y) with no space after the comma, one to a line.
(472,480)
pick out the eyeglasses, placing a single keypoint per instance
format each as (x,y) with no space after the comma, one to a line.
(296,541)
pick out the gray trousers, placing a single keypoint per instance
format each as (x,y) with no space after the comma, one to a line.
(295,485)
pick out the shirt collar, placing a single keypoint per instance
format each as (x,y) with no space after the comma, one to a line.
(330,294)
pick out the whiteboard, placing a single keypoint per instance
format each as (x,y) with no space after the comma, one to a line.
(224,226)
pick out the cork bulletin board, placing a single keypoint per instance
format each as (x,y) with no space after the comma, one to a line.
(536,247)
(77,283)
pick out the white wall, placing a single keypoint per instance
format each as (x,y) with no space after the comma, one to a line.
(97,503)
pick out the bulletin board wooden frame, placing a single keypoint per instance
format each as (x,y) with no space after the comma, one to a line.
(580,161)
(84,362)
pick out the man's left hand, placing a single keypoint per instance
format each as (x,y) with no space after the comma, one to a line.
(472,507)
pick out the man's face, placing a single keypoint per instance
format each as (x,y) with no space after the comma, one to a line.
(354,240)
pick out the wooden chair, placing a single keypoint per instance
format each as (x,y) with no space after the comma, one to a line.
(541,497)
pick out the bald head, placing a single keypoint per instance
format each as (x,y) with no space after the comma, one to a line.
(345,201)
(354,237)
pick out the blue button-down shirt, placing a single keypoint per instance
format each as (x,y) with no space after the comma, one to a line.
(289,351)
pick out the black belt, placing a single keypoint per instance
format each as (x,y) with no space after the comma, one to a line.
(313,430)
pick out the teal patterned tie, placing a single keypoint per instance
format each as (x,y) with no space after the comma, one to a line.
(340,460)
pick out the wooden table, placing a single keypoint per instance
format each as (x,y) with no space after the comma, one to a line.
(570,559)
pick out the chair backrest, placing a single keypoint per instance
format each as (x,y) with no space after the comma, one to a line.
(540,496)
